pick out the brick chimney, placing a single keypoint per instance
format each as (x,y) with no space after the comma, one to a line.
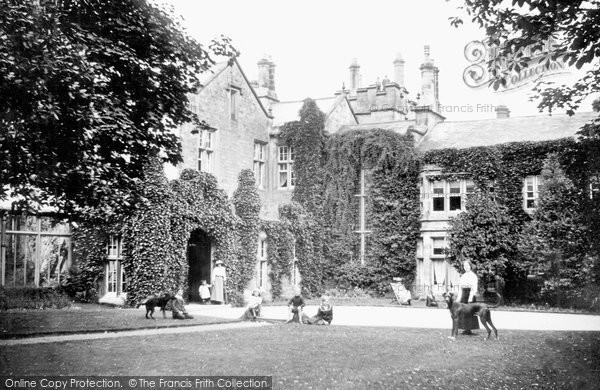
(502,112)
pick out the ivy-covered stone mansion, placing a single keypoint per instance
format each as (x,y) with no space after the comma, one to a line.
(245,119)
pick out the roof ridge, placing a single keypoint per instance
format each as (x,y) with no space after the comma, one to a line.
(523,117)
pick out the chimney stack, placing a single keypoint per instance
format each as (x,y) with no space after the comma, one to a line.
(399,70)
(429,82)
(502,112)
(354,75)
(266,73)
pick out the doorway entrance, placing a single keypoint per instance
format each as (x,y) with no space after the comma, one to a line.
(198,254)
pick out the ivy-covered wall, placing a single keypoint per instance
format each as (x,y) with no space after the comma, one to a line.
(328,173)
(504,167)
(155,237)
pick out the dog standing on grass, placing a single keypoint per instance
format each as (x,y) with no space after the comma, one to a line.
(156,301)
(458,310)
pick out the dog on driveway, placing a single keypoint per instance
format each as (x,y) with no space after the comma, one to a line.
(458,310)
(156,301)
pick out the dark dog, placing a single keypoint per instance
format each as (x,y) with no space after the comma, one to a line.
(156,301)
(461,310)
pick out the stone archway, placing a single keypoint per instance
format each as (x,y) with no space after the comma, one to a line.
(199,261)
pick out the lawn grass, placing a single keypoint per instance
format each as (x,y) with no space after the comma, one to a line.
(87,318)
(338,357)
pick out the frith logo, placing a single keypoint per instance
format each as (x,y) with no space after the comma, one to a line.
(530,63)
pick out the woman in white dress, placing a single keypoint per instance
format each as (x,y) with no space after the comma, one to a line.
(218,283)
(467,287)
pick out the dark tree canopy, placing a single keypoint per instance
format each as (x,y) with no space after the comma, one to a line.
(513,25)
(90,89)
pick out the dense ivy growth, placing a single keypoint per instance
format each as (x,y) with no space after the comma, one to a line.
(308,138)
(392,210)
(502,168)
(483,235)
(247,207)
(555,242)
(155,237)
(328,173)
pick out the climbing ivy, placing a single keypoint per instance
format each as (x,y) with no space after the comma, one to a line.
(308,138)
(247,207)
(155,237)
(504,166)
(391,171)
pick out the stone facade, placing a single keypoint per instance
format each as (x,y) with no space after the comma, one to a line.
(236,127)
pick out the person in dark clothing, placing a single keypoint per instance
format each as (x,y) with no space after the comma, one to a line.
(295,306)
(177,307)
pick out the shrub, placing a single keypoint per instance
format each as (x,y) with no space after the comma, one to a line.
(33,298)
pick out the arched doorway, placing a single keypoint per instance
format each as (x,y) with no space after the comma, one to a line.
(198,254)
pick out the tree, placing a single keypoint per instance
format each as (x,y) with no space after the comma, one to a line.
(90,90)
(482,235)
(555,240)
(512,26)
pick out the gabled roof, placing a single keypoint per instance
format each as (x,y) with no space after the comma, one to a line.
(207,77)
(284,112)
(467,134)
(400,127)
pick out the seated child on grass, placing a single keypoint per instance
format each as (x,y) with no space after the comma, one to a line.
(177,307)
(253,307)
(324,315)
(295,306)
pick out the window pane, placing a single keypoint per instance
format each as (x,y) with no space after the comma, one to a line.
(283,179)
(111,276)
(283,153)
(470,187)
(293,175)
(455,187)
(209,137)
(530,203)
(438,245)
(455,202)
(438,204)
(209,162)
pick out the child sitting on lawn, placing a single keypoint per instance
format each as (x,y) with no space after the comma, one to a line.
(295,306)
(177,307)
(254,307)
(324,315)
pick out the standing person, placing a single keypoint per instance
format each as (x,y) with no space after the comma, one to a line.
(204,292)
(295,306)
(218,283)
(467,288)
